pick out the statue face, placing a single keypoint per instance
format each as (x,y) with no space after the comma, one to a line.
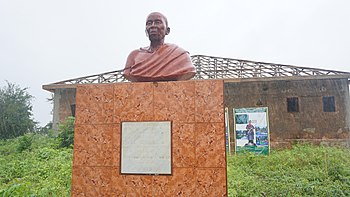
(156,27)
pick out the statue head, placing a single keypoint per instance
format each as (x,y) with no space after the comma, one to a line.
(157,27)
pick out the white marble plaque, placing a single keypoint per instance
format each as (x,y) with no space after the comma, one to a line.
(146,147)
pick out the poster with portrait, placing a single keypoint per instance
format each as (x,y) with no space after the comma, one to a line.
(251,127)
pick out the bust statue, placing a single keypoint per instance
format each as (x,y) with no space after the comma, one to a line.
(160,61)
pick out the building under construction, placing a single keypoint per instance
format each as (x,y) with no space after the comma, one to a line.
(304,104)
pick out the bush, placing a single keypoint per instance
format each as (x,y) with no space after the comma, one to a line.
(25,143)
(66,133)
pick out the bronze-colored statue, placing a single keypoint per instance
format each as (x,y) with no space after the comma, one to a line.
(160,61)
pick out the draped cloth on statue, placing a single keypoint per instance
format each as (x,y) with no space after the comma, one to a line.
(168,63)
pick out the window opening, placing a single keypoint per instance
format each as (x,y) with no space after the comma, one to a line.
(293,104)
(328,104)
(72,108)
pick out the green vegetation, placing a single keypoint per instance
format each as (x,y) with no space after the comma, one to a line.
(34,167)
(305,170)
(38,164)
(15,111)
(66,134)
(33,161)
(25,143)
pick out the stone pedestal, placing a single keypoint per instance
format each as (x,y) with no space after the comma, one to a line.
(196,111)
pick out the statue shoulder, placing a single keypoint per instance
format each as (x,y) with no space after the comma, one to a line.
(176,48)
(132,55)
(131,58)
(134,52)
(171,45)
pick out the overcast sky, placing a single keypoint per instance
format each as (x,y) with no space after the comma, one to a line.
(45,41)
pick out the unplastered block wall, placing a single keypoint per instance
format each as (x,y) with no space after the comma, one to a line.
(63,99)
(198,138)
(310,123)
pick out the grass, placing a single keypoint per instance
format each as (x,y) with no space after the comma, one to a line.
(304,170)
(33,165)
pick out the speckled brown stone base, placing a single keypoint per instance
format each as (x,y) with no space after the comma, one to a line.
(198,138)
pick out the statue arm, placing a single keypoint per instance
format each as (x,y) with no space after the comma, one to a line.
(131,59)
(188,64)
(129,63)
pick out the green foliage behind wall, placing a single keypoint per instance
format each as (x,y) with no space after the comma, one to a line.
(42,170)
(66,133)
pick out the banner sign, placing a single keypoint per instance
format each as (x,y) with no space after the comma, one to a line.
(251,129)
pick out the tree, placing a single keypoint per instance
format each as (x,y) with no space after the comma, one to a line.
(15,111)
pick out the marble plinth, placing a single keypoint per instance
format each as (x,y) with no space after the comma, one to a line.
(196,112)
